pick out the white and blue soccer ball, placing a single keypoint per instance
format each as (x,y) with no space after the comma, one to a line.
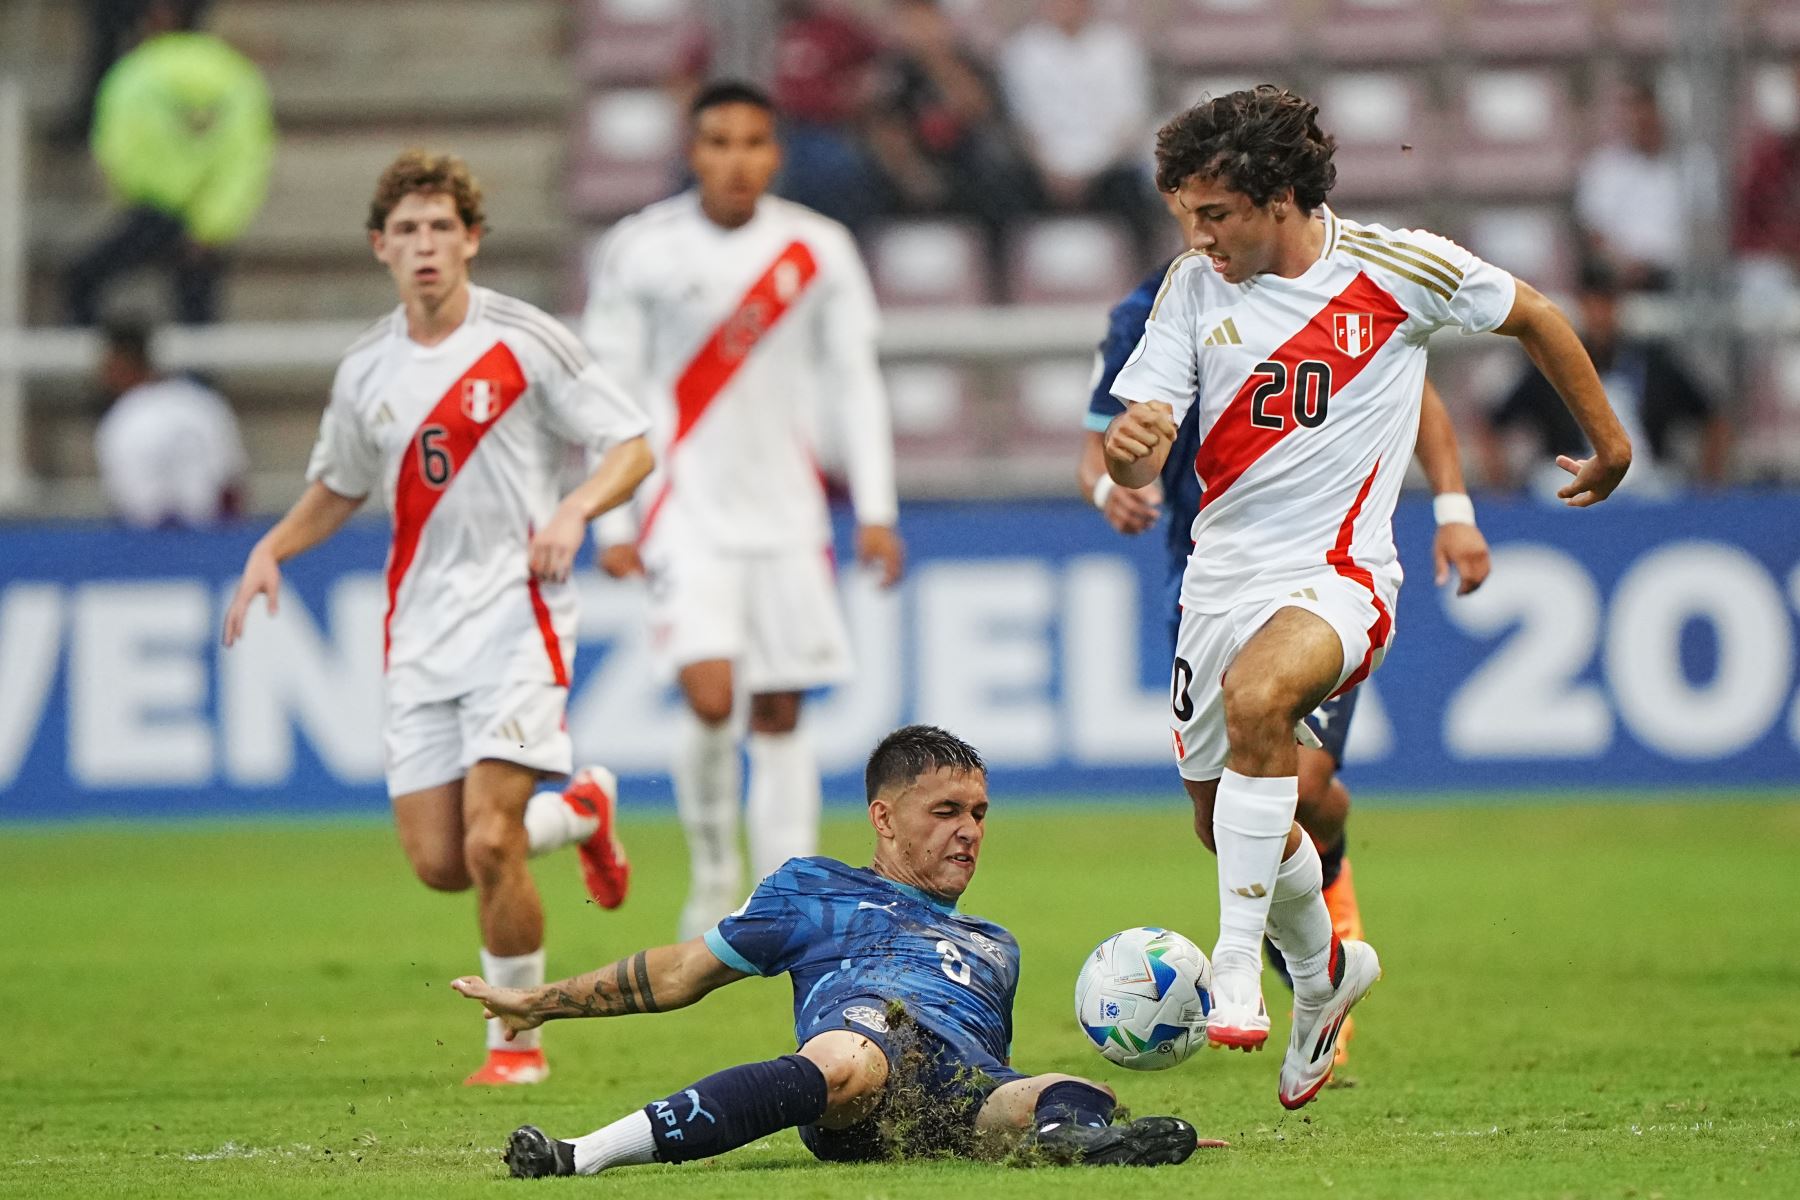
(1143,996)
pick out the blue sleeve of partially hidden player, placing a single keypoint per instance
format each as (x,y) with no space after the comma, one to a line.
(765,936)
(1124,329)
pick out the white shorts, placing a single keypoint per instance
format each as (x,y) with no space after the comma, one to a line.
(438,741)
(1208,643)
(775,616)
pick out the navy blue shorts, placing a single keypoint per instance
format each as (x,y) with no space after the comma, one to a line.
(1331,721)
(935,1089)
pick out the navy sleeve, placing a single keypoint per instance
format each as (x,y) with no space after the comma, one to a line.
(1124,329)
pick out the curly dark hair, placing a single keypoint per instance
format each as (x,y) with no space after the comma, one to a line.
(1257,142)
(431,175)
(914,750)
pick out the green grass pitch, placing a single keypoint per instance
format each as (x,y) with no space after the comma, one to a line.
(1599,1000)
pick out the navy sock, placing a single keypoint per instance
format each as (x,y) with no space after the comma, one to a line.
(1071,1102)
(736,1107)
(1331,859)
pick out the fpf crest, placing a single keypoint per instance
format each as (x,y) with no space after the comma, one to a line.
(1354,333)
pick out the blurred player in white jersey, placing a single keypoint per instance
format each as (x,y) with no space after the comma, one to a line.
(742,319)
(462,406)
(1309,410)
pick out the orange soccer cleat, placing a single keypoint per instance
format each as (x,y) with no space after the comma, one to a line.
(505,1067)
(593,792)
(1346,922)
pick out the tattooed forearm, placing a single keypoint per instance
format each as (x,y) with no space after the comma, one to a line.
(613,991)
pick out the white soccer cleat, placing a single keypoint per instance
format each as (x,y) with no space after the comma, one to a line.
(1317,1025)
(1239,1018)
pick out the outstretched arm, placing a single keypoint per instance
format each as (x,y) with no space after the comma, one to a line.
(620,470)
(1459,543)
(1551,342)
(657,980)
(319,513)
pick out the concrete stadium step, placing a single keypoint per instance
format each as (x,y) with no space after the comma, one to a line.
(349,62)
(320,188)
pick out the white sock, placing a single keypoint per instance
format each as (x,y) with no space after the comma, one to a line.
(627,1142)
(1251,819)
(551,824)
(706,797)
(1299,922)
(783,816)
(514,971)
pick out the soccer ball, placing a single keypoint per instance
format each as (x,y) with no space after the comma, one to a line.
(1142,998)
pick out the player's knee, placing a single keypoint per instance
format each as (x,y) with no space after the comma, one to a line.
(711,705)
(855,1069)
(776,712)
(1256,707)
(490,847)
(442,874)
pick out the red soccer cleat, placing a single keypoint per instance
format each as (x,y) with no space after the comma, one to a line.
(506,1067)
(593,792)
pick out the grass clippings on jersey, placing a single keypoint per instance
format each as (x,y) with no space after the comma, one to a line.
(1581,1001)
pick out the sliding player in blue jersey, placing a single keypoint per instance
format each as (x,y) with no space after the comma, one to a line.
(1324,803)
(902,1007)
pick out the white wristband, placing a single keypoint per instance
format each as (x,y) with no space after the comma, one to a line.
(1453,508)
(1103,487)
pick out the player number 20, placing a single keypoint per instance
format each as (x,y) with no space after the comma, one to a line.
(953,963)
(1308,398)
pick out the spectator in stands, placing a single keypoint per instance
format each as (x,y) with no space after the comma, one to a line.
(184,135)
(1653,394)
(937,129)
(1766,216)
(169,450)
(1628,198)
(1079,89)
(111,25)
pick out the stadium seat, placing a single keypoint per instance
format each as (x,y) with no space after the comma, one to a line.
(1776,25)
(1386,134)
(1379,31)
(932,404)
(1233,34)
(1052,394)
(1534,243)
(1517,134)
(1070,259)
(1647,28)
(630,41)
(928,262)
(1528,29)
(624,152)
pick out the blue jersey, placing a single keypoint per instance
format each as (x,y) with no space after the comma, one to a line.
(1181,487)
(844,933)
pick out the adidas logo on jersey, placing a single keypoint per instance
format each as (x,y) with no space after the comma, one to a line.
(1225,334)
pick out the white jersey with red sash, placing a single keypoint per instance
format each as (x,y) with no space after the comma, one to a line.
(741,341)
(1309,394)
(468,441)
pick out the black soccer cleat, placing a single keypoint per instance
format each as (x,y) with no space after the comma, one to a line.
(1145,1142)
(533,1154)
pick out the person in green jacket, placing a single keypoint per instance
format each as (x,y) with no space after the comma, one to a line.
(184,133)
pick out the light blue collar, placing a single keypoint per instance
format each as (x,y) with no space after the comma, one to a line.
(914,892)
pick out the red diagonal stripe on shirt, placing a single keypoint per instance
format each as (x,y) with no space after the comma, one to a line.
(712,367)
(415,496)
(1234,442)
(1340,561)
